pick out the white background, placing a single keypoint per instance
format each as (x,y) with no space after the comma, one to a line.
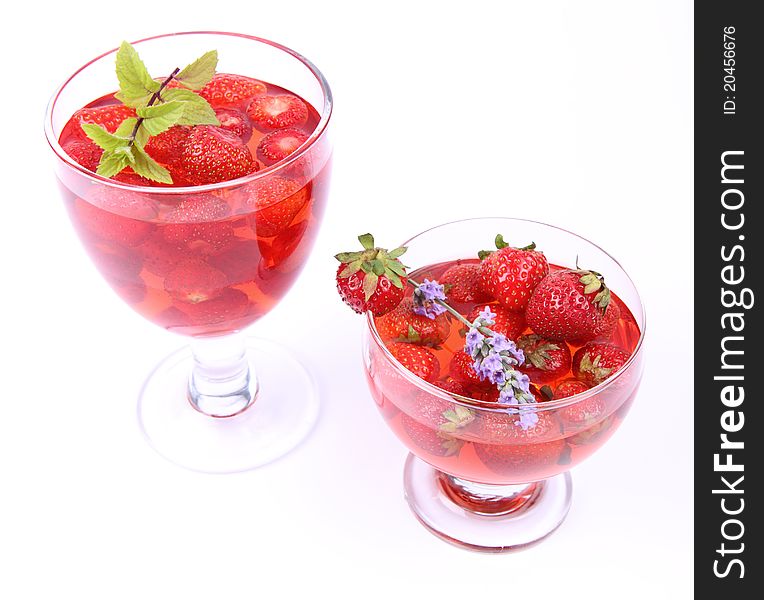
(574,113)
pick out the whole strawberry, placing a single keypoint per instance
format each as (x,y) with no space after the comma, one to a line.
(462,283)
(595,362)
(545,360)
(211,154)
(511,274)
(419,360)
(573,305)
(505,322)
(432,422)
(370,280)
(402,324)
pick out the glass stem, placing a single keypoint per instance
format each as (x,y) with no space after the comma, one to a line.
(221,383)
(488,499)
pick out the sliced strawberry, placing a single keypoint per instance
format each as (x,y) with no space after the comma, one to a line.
(109,117)
(419,360)
(596,361)
(282,253)
(506,322)
(402,324)
(276,146)
(462,282)
(195,281)
(211,155)
(235,122)
(545,360)
(226,90)
(277,112)
(230,305)
(199,223)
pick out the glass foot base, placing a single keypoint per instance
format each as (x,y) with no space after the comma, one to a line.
(282,415)
(485,518)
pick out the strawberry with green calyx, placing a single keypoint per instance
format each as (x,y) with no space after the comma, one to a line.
(573,305)
(511,274)
(462,283)
(433,423)
(545,360)
(419,360)
(595,362)
(371,279)
(157,107)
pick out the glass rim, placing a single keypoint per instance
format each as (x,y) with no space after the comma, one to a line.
(317,133)
(492,406)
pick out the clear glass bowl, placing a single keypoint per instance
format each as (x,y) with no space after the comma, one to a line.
(505,488)
(223,404)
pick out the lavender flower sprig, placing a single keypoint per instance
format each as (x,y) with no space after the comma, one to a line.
(495,356)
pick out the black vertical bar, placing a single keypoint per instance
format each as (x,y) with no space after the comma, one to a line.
(729,371)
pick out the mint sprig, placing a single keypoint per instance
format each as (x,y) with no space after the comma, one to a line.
(157,108)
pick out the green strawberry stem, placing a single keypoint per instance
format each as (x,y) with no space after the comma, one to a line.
(457,314)
(154,97)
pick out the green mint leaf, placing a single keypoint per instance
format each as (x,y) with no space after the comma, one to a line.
(196,110)
(103,138)
(199,73)
(147,167)
(160,117)
(135,84)
(112,162)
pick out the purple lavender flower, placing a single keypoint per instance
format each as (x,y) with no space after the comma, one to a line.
(425,296)
(489,367)
(486,316)
(527,420)
(473,339)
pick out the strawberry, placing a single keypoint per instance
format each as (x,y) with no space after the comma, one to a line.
(545,360)
(84,152)
(230,305)
(512,451)
(276,146)
(238,260)
(572,305)
(432,422)
(595,433)
(462,283)
(506,322)
(402,324)
(103,224)
(199,223)
(226,90)
(211,155)
(370,280)
(460,369)
(194,281)
(419,360)
(118,264)
(109,117)
(276,201)
(277,112)
(596,361)
(451,386)
(235,122)
(511,274)
(159,256)
(167,147)
(284,246)
(569,387)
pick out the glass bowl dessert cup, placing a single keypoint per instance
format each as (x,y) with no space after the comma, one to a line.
(474,476)
(206,261)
